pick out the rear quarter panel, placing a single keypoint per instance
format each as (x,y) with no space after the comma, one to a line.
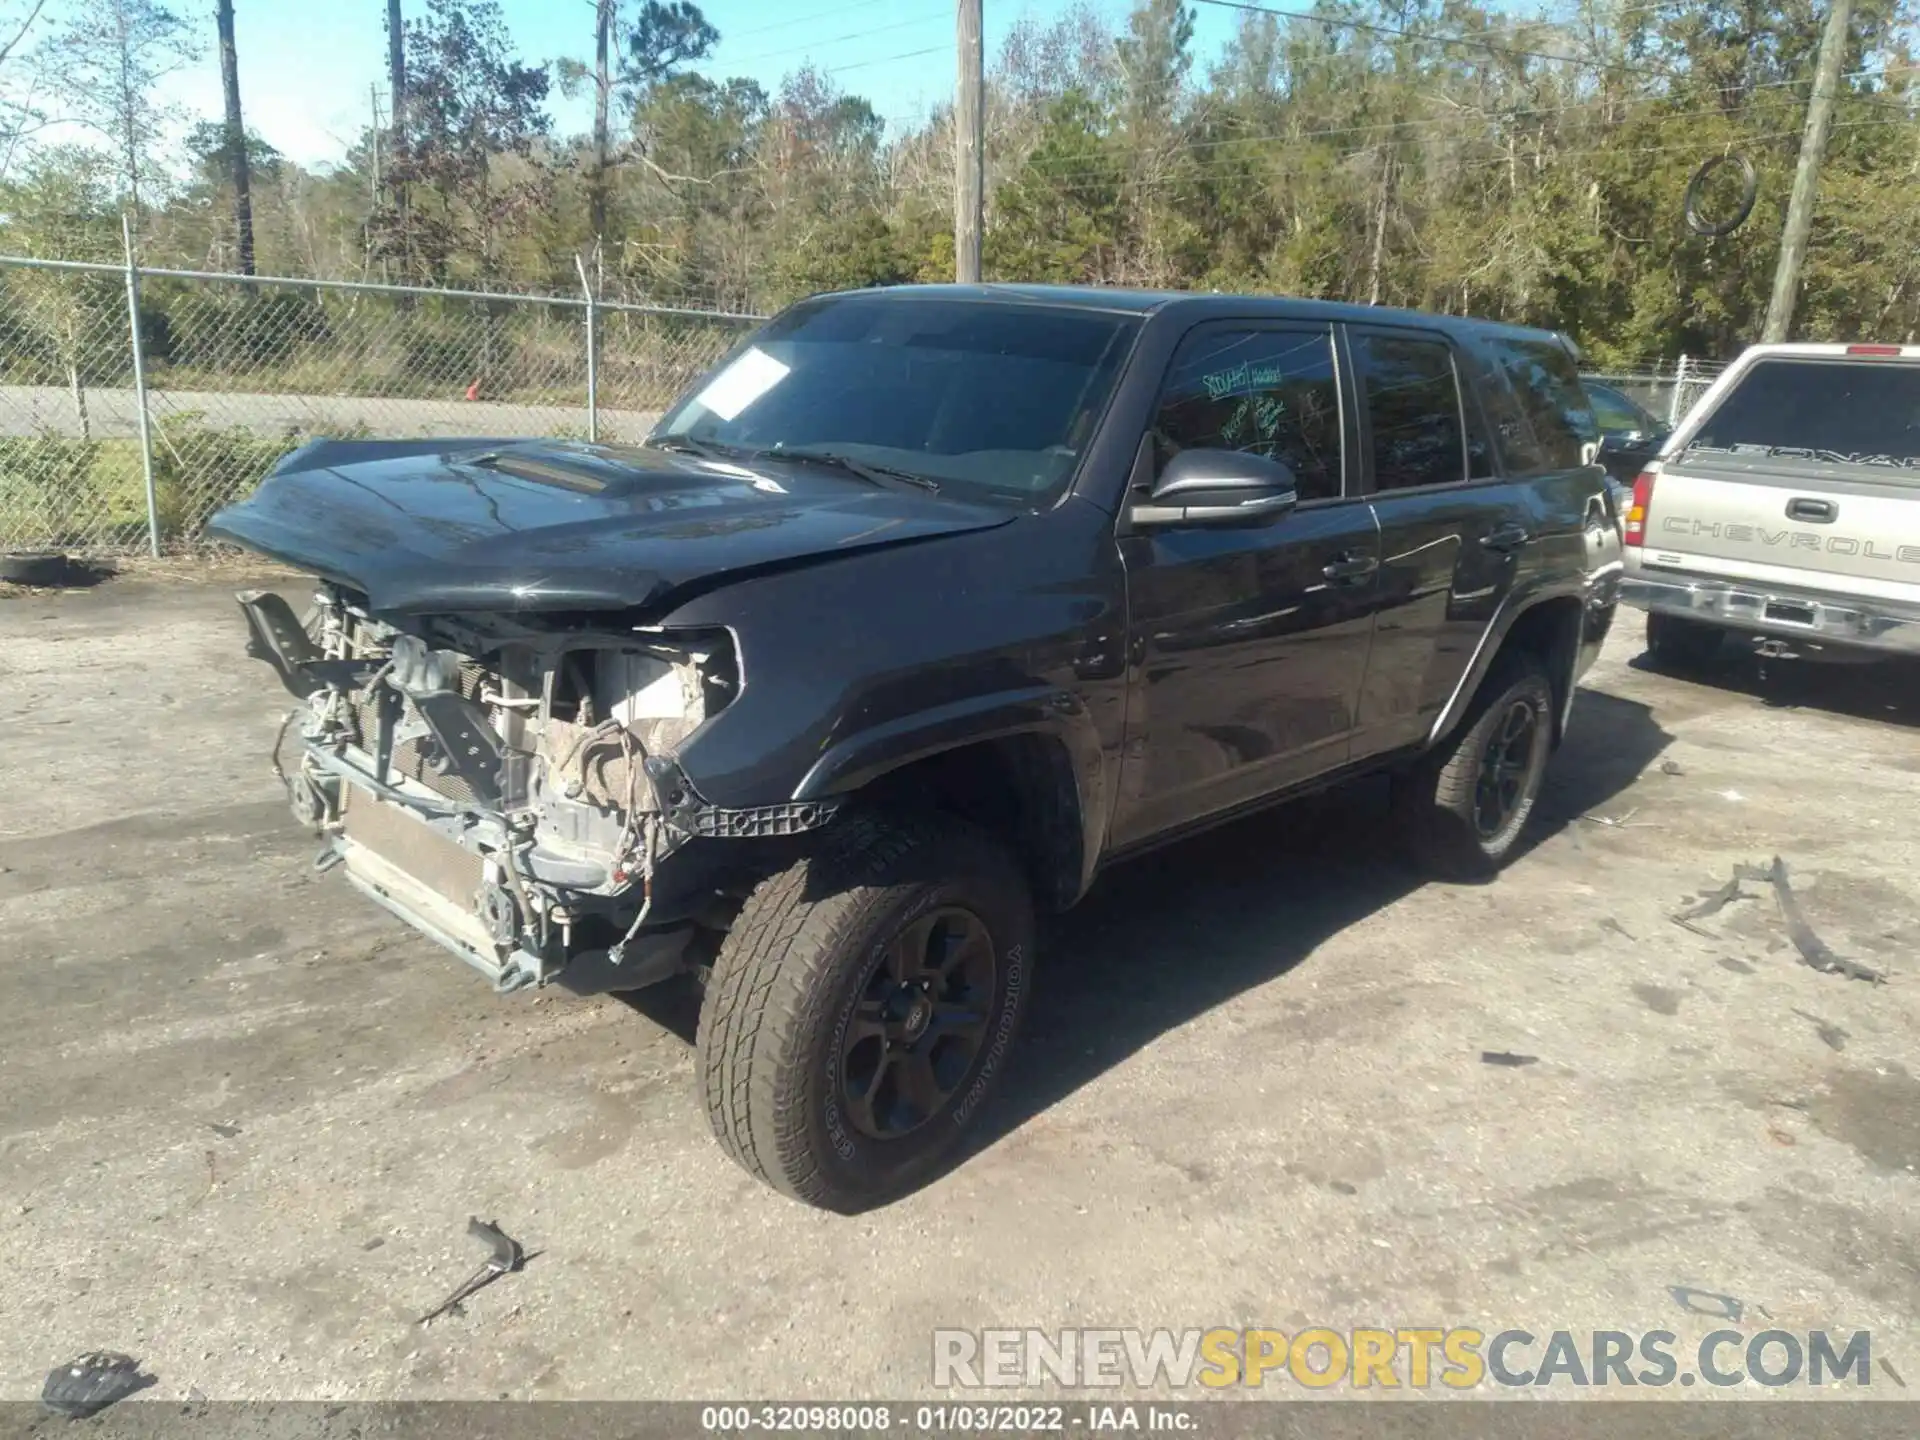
(1572,564)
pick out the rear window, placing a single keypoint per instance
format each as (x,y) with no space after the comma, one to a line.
(1833,411)
(1543,417)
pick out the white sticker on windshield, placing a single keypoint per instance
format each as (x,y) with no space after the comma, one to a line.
(742,383)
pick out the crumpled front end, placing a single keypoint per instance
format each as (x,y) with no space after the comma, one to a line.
(512,786)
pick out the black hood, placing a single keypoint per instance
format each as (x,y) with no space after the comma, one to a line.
(444,526)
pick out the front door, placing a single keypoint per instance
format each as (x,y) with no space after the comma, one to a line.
(1247,645)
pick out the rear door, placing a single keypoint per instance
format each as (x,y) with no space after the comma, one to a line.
(1452,531)
(1804,474)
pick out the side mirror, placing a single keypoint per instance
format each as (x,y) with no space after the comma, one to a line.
(1217,487)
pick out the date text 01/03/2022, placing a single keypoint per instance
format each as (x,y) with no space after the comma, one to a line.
(945,1419)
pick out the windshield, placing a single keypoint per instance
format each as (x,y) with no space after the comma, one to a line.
(1828,411)
(1616,413)
(994,400)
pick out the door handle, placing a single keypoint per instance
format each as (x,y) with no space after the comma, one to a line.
(1818,512)
(1354,566)
(1505,537)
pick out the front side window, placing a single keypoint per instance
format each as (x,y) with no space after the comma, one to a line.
(996,400)
(1413,410)
(1270,392)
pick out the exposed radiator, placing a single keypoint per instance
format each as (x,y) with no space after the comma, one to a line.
(410,846)
(411,758)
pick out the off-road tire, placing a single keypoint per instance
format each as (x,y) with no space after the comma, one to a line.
(1678,643)
(41,570)
(790,974)
(1435,801)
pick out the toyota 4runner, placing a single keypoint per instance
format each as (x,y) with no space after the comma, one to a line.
(921,609)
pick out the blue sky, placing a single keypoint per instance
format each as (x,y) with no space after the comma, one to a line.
(305,67)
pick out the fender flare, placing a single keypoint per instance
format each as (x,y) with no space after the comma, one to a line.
(1563,652)
(857,760)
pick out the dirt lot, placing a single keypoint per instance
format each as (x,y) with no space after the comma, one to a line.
(246,1115)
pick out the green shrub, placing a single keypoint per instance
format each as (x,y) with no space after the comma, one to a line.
(61,491)
(238,329)
(197,468)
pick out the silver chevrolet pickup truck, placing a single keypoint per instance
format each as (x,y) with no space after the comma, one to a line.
(1785,510)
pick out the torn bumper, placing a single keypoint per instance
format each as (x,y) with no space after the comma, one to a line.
(466,881)
(541,837)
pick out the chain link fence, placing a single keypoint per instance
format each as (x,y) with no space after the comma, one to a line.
(136,402)
(1667,388)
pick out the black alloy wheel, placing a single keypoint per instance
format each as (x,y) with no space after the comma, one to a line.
(1465,804)
(919,1023)
(1504,766)
(861,1008)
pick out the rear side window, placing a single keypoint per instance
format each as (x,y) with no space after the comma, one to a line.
(1271,392)
(1413,410)
(1551,416)
(1862,413)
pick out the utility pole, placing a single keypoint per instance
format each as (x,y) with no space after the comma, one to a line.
(397,142)
(373,105)
(1806,176)
(597,189)
(969,144)
(373,189)
(236,139)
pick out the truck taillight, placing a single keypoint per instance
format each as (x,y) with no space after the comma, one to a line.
(1634,532)
(1892,350)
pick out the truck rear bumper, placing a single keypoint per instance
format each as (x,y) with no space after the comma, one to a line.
(1818,619)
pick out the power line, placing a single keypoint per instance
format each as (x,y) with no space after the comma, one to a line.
(889,59)
(1062,182)
(1466,116)
(1650,6)
(836,40)
(829,13)
(1469,41)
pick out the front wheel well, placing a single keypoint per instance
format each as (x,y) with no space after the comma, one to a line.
(1019,788)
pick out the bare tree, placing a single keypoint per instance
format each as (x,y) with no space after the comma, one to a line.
(107,65)
(20,78)
(236,140)
(632,55)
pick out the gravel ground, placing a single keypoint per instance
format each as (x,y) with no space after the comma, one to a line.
(247,1116)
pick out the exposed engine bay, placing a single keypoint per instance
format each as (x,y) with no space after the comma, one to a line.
(511,787)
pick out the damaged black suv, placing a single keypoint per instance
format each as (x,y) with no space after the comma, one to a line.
(921,609)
